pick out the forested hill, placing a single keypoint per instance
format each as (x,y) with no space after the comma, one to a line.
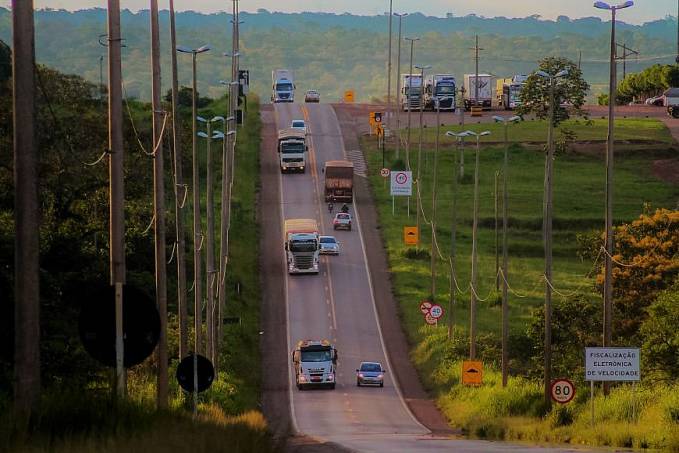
(332,52)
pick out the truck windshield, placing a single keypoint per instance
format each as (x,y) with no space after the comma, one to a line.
(292,148)
(515,93)
(445,89)
(416,90)
(303,246)
(316,356)
(283,87)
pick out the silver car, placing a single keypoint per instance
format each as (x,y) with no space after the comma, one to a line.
(342,220)
(312,96)
(370,373)
(329,245)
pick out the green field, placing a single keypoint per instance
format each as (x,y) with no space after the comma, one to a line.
(578,209)
(536,130)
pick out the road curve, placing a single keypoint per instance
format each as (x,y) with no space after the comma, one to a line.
(338,304)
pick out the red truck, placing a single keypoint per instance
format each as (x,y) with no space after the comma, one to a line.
(339,181)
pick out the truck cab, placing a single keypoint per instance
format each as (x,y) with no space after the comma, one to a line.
(283,86)
(302,246)
(440,88)
(292,148)
(315,364)
(411,92)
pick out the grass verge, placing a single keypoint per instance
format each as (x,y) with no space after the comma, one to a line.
(517,412)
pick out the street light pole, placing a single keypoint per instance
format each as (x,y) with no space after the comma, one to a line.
(608,273)
(547,210)
(505,259)
(418,203)
(391,11)
(398,85)
(433,204)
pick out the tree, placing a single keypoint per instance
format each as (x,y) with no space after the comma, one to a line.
(644,265)
(660,349)
(569,92)
(185,98)
(5,62)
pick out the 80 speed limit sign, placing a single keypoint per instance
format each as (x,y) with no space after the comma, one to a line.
(562,390)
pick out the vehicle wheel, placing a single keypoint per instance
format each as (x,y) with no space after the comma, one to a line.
(332,386)
(334,227)
(349,227)
(381,384)
(358,383)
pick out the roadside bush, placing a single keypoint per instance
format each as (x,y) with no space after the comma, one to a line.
(416,253)
(561,415)
(660,349)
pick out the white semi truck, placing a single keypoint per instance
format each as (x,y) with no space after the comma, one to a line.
(302,247)
(292,149)
(282,86)
(485,91)
(411,92)
(441,88)
(315,364)
(508,91)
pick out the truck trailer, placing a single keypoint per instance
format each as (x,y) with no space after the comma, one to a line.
(508,91)
(301,244)
(411,92)
(315,364)
(485,88)
(292,147)
(441,88)
(282,86)
(339,181)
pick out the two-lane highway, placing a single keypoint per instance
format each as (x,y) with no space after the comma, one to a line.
(338,305)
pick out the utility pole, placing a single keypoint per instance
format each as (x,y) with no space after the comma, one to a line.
(626,52)
(476,50)
(453,255)
(389,110)
(461,138)
(433,204)
(547,232)
(677,58)
(497,237)
(398,85)
(27,215)
(101,80)
(418,184)
(409,94)
(116,184)
(182,299)
(159,207)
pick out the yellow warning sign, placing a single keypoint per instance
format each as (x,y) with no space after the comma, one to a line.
(472,372)
(410,236)
(349,96)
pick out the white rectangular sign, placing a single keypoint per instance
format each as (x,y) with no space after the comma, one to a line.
(612,364)
(401,183)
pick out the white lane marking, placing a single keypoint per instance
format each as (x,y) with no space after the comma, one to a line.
(293,418)
(314,174)
(374,305)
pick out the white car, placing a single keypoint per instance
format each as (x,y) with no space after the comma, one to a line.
(329,245)
(370,373)
(299,125)
(312,96)
(342,221)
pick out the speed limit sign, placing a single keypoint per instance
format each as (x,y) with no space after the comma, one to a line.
(562,390)
(436,311)
(385,172)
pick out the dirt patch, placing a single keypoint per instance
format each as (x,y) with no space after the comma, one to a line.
(667,170)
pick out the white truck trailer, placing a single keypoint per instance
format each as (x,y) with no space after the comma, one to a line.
(282,86)
(485,85)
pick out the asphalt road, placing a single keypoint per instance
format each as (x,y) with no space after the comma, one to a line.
(338,304)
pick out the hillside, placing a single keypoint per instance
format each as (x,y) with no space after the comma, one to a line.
(353,47)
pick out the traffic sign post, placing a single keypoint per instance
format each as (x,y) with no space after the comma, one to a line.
(472,372)
(410,236)
(401,183)
(562,391)
(425,306)
(385,172)
(436,311)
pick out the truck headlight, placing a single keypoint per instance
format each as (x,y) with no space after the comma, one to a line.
(331,377)
(302,378)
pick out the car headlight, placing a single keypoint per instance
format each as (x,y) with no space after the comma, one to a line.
(302,378)
(360,375)
(380,376)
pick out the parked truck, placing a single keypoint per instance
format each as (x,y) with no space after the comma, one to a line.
(441,88)
(411,92)
(282,86)
(508,91)
(485,85)
(315,364)
(292,147)
(339,181)
(301,244)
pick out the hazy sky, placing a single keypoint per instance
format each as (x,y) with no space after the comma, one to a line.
(643,11)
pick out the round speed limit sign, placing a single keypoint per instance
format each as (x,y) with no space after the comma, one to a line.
(436,311)
(385,172)
(562,390)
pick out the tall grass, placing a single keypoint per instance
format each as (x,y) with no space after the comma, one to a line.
(643,416)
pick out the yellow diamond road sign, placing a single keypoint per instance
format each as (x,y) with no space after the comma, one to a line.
(349,96)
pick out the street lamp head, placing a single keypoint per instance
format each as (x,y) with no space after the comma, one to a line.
(202,49)
(562,73)
(423,67)
(202,134)
(401,14)
(201,119)
(218,118)
(235,54)
(484,133)
(546,75)
(230,133)
(460,134)
(408,38)
(218,134)
(185,49)
(604,5)
(515,118)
